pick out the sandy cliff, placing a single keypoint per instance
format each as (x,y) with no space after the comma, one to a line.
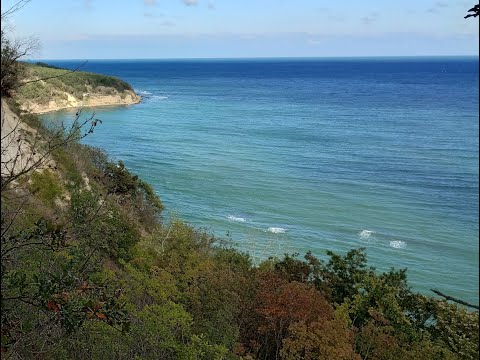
(19,142)
(126,97)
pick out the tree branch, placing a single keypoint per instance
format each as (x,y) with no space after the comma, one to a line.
(459,301)
(53,77)
(17,6)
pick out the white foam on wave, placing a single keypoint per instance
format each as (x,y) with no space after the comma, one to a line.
(398,244)
(234,218)
(143,92)
(365,234)
(277,230)
(159,97)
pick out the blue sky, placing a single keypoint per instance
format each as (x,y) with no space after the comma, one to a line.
(109,29)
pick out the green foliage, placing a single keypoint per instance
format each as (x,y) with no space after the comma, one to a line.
(46,185)
(69,168)
(294,269)
(58,81)
(343,275)
(120,179)
(323,340)
(38,91)
(12,71)
(50,290)
(137,197)
(42,64)
(102,225)
(157,332)
(457,328)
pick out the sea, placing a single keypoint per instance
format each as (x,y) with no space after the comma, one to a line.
(288,155)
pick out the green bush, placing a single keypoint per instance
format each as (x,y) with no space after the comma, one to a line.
(47,186)
(103,225)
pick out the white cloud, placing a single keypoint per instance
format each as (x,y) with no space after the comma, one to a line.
(190,2)
(167,23)
(437,6)
(370,18)
(314,42)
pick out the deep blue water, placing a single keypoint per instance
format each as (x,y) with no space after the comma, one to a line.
(290,155)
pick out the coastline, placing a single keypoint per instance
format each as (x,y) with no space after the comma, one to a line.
(93,101)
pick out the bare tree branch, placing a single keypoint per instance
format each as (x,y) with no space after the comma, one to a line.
(451,298)
(53,77)
(34,161)
(17,6)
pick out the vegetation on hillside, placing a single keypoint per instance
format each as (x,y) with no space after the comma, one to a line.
(60,81)
(90,270)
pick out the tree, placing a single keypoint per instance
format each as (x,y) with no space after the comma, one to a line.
(279,304)
(475,11)
(321,340)
(12,51)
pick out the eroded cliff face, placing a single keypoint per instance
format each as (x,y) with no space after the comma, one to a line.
(64,100)
(20,144)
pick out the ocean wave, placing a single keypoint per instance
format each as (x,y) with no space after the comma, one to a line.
(277,230)
(159,97)
(147,95)
(143,92)
(365,234)
(234,218)
(397,244)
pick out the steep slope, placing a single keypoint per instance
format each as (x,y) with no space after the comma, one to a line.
(18,141)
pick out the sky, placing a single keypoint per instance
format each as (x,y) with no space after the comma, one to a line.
(163,29)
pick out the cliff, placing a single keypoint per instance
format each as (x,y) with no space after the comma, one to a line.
(61,89)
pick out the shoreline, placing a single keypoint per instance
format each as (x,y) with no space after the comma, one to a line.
(41,112)
(94,100)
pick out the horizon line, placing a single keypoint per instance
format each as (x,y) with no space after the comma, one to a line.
(261,57)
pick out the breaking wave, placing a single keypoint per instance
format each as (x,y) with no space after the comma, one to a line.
(277,230)
(397,244)
(365,234)
(234,218)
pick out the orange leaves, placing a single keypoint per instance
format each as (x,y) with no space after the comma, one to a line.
(281,302)
(84,287)
(93,312)
(378,317)
(53,306)
(319,340)
(98,315)
(101,316)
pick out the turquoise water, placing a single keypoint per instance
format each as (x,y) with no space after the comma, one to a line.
(293,155)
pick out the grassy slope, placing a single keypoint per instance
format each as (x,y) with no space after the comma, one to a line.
(76,84)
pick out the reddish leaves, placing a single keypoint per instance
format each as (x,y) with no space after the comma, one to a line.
(279,304)
(52,306)
(93,311)
(101,316)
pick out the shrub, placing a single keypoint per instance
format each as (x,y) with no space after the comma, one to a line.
(46,185)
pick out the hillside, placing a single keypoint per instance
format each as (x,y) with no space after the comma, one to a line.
(92,270)
(17,140)
(72,90)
